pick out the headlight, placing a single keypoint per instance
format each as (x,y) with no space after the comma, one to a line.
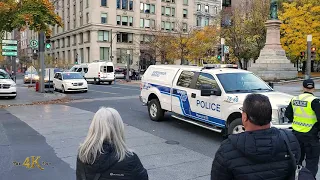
(36,77)
(275,116)
(26,77)
(13,85)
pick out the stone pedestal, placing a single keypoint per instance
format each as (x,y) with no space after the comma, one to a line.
(272,63)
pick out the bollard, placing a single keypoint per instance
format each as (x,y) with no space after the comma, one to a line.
(37,86)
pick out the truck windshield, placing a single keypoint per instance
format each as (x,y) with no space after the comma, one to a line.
(242,83)
(4,75)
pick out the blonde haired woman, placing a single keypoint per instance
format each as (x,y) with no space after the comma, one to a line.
(104,154)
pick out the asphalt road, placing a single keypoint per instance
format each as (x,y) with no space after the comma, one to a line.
(133,113)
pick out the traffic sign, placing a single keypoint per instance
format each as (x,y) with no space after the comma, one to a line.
(14,48)
(8,41)
(9,53)
(33,43)
(226,49)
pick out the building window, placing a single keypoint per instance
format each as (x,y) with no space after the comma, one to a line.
(87,3)
(81,38)
(81,5)
(185,2)
(216,10)
(104,3)
(147,23)
(125,37)
(118,4)
(145,38)
(184,27)
(198,21)
(68,43)
(131,5)
(103,35)
(147,8)
(124,20)
(104,18)
(168,11)
(118,20)
(74,40)
(87,17)
(185,13)
(104,53)
(88,36)
(206,8)
(206,21)
(81,20)
(198,7)
(124,4)
(122,56)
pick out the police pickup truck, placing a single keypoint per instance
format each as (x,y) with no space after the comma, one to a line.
(210,97)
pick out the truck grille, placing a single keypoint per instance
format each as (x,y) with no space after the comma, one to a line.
(5,86)
(77,84)
(281,114)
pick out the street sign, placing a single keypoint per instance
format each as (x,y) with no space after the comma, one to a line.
(8,41)
(33,43)
(226,49)
(9,53)
(14,48)
(9,47)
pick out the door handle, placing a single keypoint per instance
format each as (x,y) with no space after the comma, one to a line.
(193,95)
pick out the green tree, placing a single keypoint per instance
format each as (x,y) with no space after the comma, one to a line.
(37,15)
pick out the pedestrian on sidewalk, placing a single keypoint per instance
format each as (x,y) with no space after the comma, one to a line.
(304,113)
(258,153)
(104,155)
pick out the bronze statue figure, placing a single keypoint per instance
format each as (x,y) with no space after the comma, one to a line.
(274,10)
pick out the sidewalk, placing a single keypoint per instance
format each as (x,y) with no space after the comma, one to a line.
(65,127)
(132,82)
(28,96)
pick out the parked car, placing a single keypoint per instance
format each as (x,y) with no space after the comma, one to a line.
(30,77)
(69,81)
(7,85)
(120,73)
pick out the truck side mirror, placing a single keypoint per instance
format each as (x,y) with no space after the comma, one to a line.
(271,84)
(208,90)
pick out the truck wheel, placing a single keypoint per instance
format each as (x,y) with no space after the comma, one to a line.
(236,127)
(110,82)
(156,113)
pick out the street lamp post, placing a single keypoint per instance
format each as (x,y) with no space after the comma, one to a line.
(128,66)
(111,44)
(308,64)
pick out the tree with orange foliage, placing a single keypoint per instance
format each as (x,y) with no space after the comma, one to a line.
(37,15)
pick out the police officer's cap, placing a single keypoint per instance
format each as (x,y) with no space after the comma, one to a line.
(308,83)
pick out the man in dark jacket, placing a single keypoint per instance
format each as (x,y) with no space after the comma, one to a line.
(258,153)
(107,167)
(304,113)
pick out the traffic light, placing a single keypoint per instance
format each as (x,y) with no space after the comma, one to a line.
(219,53)
(313,53)
(48,42)
(302,54)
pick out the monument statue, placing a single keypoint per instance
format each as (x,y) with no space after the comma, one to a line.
(274,10)
(272,63)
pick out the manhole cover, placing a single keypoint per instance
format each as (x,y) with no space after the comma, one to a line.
(172,142)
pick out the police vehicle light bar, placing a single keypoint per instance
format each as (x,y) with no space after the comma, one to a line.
(215,66)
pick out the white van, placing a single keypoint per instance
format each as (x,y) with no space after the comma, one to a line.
(80,68)
(99,72)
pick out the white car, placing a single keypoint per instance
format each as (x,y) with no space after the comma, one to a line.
(209,97)
(69,81)
(7,86)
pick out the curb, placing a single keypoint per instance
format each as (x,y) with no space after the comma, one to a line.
(52,101)
(295,80)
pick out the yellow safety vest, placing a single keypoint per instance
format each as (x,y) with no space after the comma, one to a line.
(304,117)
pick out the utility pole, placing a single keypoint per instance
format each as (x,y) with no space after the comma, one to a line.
(308,64)
(41,55)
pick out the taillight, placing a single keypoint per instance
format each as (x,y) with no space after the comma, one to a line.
(141,85)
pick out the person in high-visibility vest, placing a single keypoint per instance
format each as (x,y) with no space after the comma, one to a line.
(304,113)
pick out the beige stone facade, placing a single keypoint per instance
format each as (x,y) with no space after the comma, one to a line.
(106,29)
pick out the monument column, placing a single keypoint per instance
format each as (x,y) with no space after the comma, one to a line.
(272,63)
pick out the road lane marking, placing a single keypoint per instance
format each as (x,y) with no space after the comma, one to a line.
(102,92)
